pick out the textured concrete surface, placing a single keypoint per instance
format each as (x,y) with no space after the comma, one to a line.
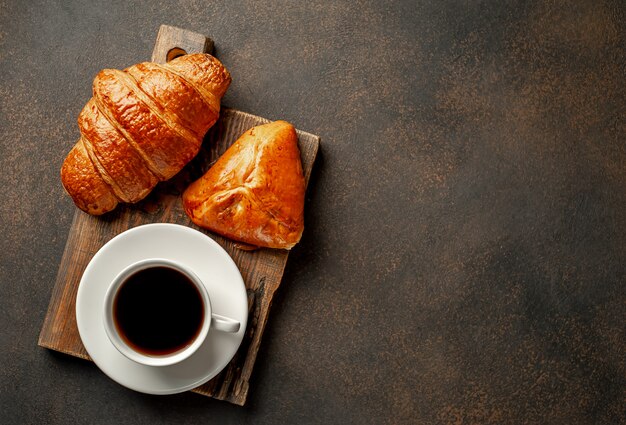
(464,259)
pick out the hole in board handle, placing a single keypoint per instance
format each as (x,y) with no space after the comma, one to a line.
(174,53)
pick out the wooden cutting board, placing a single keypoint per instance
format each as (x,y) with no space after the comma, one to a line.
(262,270)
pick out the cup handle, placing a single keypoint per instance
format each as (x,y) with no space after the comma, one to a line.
(224,324)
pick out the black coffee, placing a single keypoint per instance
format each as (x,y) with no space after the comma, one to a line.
(158,311)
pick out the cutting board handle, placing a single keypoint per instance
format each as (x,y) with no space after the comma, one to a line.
(172,42)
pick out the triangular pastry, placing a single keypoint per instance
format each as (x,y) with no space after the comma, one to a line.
(254,193)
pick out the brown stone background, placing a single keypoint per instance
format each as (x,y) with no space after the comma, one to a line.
(464,259)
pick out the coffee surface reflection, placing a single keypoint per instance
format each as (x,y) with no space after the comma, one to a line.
(158,311)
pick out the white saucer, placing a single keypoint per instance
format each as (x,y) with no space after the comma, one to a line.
(214,267)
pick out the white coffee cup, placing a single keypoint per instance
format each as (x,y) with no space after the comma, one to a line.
(209,320)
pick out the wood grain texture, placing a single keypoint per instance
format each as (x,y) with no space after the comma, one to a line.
(178,41)
(262,270)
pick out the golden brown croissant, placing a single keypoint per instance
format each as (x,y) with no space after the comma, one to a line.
(255,192)
(142,126)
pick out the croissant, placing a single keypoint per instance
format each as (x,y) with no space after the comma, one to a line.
(254,193)
(141,126)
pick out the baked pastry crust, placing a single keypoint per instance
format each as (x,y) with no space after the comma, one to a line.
(142,126)
(254,193)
